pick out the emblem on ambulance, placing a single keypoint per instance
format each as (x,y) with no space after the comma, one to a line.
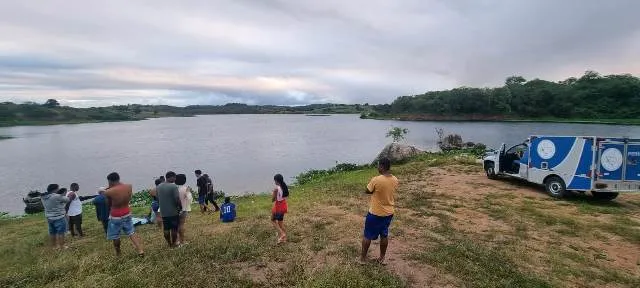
(611,159)
(546,149)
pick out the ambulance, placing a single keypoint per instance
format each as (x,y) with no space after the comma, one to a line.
(600,165)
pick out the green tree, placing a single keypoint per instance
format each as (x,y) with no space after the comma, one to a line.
(52,103)
(397,133)
(590,96)
(515,80)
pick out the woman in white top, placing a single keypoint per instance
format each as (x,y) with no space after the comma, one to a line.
(185,198)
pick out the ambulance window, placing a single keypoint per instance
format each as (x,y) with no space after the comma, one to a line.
(518,149)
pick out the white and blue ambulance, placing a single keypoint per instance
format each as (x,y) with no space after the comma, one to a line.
(604,166)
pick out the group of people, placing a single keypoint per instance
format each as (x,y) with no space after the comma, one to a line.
(172,200)
(63,209)
(171,205)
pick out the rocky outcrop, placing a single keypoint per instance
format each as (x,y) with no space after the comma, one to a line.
(397,152)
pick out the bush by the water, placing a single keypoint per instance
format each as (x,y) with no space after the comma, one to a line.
(311,175)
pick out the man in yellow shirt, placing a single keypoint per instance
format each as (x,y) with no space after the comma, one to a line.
(382,189)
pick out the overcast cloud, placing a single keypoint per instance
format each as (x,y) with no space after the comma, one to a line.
(96,53)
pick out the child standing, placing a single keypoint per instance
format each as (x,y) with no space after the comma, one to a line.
(279,199)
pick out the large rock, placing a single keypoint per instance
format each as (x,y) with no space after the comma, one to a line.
(397,152)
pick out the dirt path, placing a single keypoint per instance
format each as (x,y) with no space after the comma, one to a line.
(549,233)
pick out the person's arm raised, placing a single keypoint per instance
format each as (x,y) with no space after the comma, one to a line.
(83,198)
(371,187)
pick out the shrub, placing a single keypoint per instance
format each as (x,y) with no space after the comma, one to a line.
(312,175)
(397,133)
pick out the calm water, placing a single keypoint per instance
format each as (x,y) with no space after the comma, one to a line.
(241,152)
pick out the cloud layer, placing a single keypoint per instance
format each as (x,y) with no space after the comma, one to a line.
(95,53)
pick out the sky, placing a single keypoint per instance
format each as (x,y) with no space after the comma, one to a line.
(292,52)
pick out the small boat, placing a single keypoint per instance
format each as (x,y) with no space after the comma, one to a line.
(33,203)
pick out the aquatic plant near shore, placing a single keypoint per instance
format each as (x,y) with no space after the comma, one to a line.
(311,175)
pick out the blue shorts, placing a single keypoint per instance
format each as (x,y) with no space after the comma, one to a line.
(277,216)
(155,206)
(120,224)
(375,226)
(57,227)
(201,199)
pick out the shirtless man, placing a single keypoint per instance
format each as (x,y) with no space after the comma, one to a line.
(118,196)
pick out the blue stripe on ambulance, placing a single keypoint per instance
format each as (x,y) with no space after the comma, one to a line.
(581,179)
(562,146)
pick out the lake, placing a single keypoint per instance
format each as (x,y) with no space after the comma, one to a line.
(240,152)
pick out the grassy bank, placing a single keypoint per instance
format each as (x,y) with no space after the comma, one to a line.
(452,228)
(431,118)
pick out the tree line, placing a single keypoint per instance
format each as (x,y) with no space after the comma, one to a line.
(51,112)
(590,96)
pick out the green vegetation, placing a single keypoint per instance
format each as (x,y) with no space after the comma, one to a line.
(452,227)
(51,112)
(397,133)
(590,98)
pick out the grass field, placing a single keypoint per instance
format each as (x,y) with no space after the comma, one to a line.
(452,228)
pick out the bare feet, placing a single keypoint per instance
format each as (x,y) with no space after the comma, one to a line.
(381,261)
(362,261)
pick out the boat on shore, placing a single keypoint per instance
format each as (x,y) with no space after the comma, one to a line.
(33,202)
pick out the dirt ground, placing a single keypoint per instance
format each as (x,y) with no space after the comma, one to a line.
(574,242)
(580,231)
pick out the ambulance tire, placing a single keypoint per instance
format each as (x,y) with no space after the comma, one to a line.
(555,187)
(607,196)
(489,168)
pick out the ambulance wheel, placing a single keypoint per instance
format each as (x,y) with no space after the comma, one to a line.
(604,195)
(490,170)
(555,187)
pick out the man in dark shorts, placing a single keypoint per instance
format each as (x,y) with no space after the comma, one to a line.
(382,189)
(210,198)
(102,210)
(202,190)
(170,207)
(120,220)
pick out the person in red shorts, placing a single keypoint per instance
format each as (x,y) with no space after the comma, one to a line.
(120,220)
(279,198)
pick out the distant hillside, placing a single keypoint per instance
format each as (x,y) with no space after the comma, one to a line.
(51,112)
(591,96)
